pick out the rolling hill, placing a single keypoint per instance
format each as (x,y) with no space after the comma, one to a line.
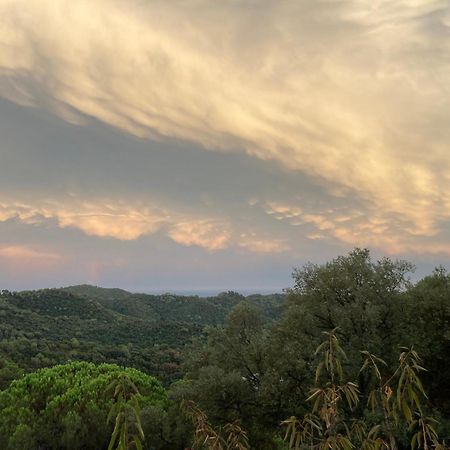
(149,332)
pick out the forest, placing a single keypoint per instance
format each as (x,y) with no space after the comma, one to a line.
(353,356)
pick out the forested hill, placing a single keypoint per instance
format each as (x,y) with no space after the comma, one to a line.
(50,326)
(193,309)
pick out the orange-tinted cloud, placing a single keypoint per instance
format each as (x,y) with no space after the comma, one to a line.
(257,244)
(24,253)
(357,228)
(17,258)
(122,221)
(212,235)
(354,94)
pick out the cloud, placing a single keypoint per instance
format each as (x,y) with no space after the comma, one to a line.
(24,253)
(354,94)
(19,258)
(251,241)
(213,235)
(118,221)
(392,235)
(95,219)
(126,222)
(121,221)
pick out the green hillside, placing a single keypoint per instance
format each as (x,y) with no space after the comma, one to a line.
(51,326)
(201,310)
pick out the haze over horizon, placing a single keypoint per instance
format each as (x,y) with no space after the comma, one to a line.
(209,146)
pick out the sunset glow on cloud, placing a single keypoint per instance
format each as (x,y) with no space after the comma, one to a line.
(242,129)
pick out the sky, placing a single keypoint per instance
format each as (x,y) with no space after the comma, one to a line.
(197,145)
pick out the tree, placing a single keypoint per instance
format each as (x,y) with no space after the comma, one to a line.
(9,371)
(428,322)
(364,299)
(227,375)
(66,406)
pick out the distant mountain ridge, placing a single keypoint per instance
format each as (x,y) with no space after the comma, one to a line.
(95,291)
(194,309)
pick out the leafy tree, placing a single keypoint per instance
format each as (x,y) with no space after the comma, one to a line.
(66,407)
(9,371)
(361,297)
(228,375)
(428,322)
(364,299)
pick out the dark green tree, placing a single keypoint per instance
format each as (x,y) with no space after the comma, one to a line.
(227,375)
(364,299)
(428,322)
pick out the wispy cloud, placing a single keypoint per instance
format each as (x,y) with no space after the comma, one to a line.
(351,92)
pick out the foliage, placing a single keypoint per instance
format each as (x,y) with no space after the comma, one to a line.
(126,412)
(251,364)
(9,371)
(51,326)
(229,376)
(375,306)
(66,407)
(362,298)
(394,404)
(428,316)
(231,437)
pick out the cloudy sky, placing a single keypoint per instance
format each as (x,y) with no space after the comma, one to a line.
(203,145)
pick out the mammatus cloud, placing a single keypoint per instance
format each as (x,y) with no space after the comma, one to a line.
(353,93)
(251,241)
(356,228)
(208,234)
(115,221)
(121,221)
(105,219)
